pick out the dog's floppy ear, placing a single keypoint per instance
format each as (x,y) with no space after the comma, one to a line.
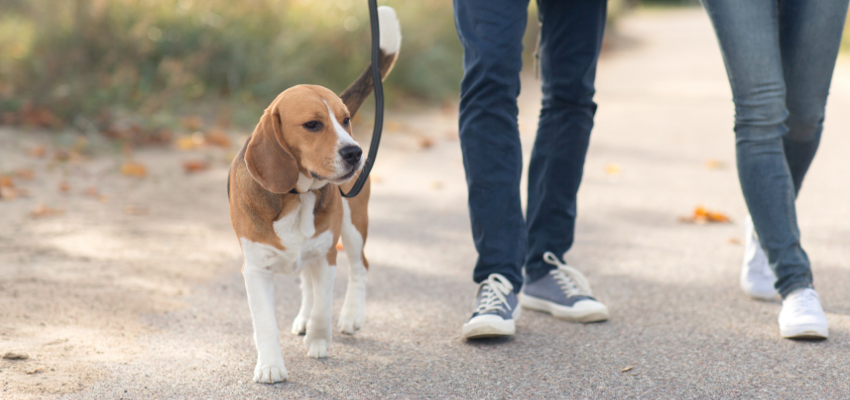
(269,160)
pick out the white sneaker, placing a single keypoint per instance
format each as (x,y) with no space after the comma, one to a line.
(757,279)
(802,316)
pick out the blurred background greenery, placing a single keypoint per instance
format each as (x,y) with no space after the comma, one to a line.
(86,63)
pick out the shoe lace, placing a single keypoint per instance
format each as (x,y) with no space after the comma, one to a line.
(493,291)
(806,301)
(571,280)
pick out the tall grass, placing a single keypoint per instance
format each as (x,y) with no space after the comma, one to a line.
(91,57)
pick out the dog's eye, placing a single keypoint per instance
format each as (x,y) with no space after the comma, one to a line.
(346,121)
(313,126)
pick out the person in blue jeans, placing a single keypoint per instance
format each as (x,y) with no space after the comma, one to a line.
(779,57)
(491,33)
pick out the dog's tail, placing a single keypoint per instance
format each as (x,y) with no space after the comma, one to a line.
(356,94)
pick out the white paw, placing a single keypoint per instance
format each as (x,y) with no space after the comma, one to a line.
(318,348)
(351,319)
(299,326)
(270,373)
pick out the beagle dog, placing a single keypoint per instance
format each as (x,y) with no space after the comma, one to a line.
(288,214)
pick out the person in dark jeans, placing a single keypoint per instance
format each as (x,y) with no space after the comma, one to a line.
(779,57)
(491,33)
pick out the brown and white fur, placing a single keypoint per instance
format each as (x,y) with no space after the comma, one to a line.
(304,142)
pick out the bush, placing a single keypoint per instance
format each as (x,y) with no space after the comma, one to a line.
(86,58)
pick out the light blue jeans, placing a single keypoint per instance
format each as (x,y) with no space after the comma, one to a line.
(779,57)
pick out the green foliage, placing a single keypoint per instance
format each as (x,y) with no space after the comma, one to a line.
(88,57)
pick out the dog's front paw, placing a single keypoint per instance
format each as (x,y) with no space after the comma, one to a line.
(351,317)
(270,373)
(318,348)
(299,326)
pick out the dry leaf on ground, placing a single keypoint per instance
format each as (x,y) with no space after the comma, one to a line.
(339,246)
(8,193)
(194,166)
(134,169)
(426,142)
(6,181)
(715,164)
(735,241)
(37,151)
(136,210)
(627,369)
(612,169)
(25,174)
(218,138)
(64,187)
(43,211)
(192,123)
(701,215)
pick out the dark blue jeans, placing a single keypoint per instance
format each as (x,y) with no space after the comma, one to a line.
(779,57)
(491,32)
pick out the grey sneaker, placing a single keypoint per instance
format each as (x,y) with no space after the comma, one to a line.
(496,309)
(564,293)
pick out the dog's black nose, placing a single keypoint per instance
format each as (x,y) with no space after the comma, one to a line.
(351,154)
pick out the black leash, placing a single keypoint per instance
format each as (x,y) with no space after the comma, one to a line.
(379,102)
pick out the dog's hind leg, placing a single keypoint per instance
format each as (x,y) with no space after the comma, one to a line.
(354,226)
(299,326)
(260,287)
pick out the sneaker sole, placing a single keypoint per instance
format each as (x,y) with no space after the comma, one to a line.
(590,314)
(481,330)
(491,329)
(805,332)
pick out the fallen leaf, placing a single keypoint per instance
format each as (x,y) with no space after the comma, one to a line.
(186,143)
(61,155)
(194,166)
(218,138)
(134,169)
(192,123)
(37,151)
(34,371)
(735,241)
(627,369)
(701,215)
(392,126)
(25,174)
(64,187)
(340,246)
(91,191)
(135,210)
(715,164)
(612,169)
(43,211)
(426,142)
(6,181)
(15,356)
(8,193)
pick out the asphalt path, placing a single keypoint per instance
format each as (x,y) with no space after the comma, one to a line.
(680,327)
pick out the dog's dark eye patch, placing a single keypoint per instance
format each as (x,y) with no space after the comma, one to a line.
(313,126)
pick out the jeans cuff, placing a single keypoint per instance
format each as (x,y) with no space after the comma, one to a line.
(785,292)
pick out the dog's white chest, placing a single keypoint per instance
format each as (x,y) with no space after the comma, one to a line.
(296,231)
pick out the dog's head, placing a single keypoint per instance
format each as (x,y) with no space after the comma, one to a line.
(306,131)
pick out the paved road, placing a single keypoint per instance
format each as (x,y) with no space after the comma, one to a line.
(678,318)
